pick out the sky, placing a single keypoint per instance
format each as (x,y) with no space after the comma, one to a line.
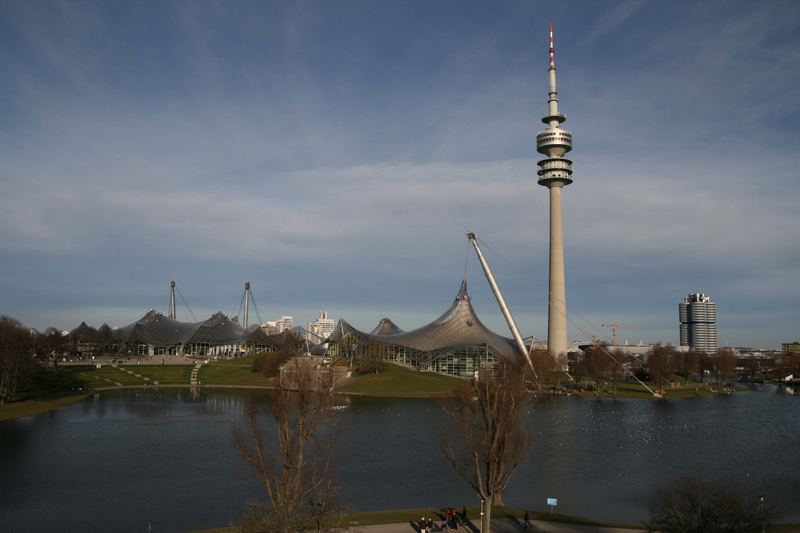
(334,154)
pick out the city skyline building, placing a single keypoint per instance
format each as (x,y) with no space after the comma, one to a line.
(278,326)
(322,327)
(698,322)
(555,172)
(283,323)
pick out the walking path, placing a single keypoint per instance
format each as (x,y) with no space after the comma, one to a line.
(195,370)
(498,526)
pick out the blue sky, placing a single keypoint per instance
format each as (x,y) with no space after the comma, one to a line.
(335,154)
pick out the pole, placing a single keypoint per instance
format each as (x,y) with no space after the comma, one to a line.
(172,310)
(501,301)
(246,304)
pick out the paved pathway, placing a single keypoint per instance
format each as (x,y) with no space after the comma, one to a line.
(499,526)
(195,370)
(132,360)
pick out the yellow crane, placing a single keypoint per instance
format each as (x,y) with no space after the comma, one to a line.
(614,326)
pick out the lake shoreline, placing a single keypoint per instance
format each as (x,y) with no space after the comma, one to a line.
(30,407)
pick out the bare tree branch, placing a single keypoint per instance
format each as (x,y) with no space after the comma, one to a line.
(296,469)
(488,442)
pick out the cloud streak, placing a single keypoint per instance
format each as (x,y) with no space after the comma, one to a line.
(337,159)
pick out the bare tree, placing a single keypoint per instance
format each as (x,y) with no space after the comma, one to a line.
(543,363)
(690,364)
(16,347)
(616,366)
(295,469)
(270,363)
(371,361)
(676,361)
(52,344)
(790,365)
(753,366)
(703,364)
(489,441)
(596,364)
(697,506)
(659,364)
(726,364)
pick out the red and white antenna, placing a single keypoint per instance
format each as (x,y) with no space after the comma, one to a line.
(552,50)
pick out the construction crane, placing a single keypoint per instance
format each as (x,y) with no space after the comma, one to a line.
(502,302)
(614,326)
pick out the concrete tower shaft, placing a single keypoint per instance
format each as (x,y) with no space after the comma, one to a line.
(554,173)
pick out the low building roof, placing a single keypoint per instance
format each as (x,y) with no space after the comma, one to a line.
(386,327)
(458,326)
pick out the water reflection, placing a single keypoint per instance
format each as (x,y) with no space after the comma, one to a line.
(122,460)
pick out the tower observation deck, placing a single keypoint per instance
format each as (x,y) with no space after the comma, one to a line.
(554,141)
(554,173)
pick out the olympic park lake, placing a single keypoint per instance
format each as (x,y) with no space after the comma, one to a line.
(163,460)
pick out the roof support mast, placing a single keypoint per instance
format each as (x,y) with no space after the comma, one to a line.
(501,301)
(172,311)
(246,316)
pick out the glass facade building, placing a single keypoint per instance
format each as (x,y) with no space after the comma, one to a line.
(456,343)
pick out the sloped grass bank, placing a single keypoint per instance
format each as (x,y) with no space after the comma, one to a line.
(238,371)
(399,381)
(34,407)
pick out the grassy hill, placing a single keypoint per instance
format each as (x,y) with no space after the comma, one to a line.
(396,380)
(237,371)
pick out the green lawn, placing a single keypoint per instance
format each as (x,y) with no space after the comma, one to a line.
(45,382)
(634,390)
(32,407)
(630,389)
(400,381)
(238,371)
(164,374)
(107,376)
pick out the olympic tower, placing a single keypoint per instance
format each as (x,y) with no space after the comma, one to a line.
(554,173)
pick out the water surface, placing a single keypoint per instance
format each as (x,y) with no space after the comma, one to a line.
(163,459)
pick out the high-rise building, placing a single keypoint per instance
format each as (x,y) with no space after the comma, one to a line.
(322,328)
(284,323)
(554,173)
(698,317)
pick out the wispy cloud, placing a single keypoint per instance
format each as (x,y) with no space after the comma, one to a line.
(346,151)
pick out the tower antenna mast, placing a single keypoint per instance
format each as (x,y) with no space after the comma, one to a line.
(555,172)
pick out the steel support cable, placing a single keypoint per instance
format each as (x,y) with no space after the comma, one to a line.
(516,270)
(238,313)
(466,259)
(255,306)
(607,353)
(573,323)
(186,303)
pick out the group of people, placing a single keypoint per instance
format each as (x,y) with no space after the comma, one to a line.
(427,525)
